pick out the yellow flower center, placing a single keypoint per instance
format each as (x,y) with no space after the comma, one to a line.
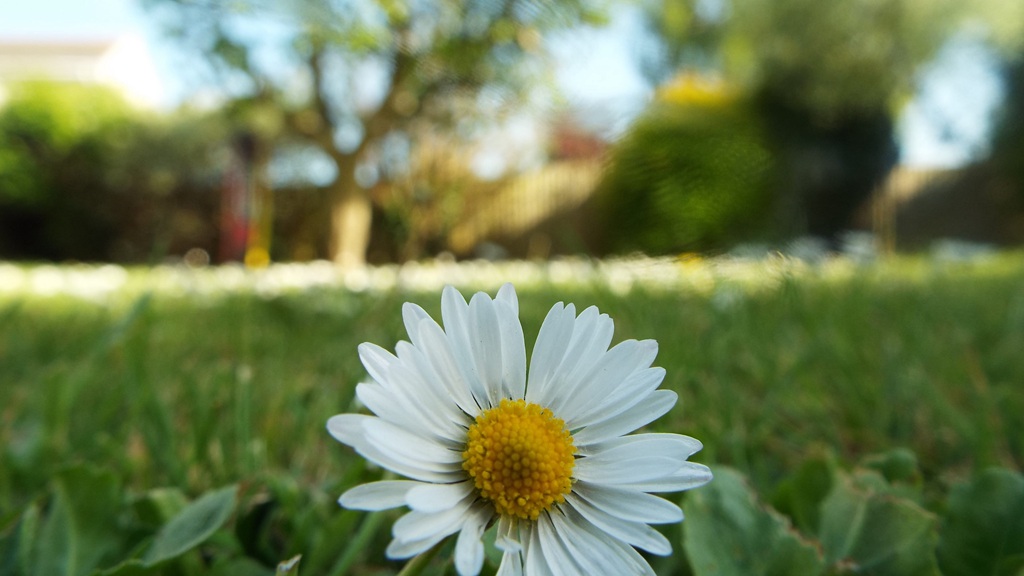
(520,458)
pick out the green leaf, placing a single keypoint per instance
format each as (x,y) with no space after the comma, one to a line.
(27,529)
(192,526)
(243,566)
(80,528)
(156,507)
(727,531)
(867,530)
(983,530)
(1011,566)
(10,546)
(898,466)
(133,567)
(800,495)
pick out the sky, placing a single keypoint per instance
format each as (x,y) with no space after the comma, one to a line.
(67,18)
(944,126)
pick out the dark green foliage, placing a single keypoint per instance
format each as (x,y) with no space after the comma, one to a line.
(83,176)
(826,79)
(829,167)
(867,526)
(89,528)
(1008,129)
(51,141)
(687,178)
(78,531)
(983,531)
(192,526)
(800,495)
(728,532)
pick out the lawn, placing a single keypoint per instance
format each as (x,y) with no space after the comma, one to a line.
(147,388)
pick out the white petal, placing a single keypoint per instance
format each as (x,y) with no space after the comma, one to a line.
(377,400)
(437,497)
(485,344)
(507,295)
(438,399)
(507,538)
(631,505)
(419,525)
(633,389)
(591,335)
(598,551)
(638,468)
(635,533)
(511,564)
(415,469)
(395,408)
(453,305)
(376,360)
(405,444)
(536,563)
(675,446)
(607,377)
(424,393)
(458,329)
(348,428)
(354,430)
(438,361)
(399,549)
(513,350)
(646,411)
(380,495)
(469,549)
(691,475)
(412,316)
(556,555)
(552,341)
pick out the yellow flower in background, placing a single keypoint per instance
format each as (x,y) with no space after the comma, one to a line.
(547,454)
(690,89)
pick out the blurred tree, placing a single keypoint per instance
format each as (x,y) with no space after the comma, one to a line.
(692,174)
(48,144)
(163,177)
(1008,136)
(421,207)
(351,78)
(84,176)
(826,76)
(1008,127)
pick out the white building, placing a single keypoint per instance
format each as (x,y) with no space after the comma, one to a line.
(123,63)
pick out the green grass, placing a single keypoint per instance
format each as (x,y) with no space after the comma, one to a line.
(772,364)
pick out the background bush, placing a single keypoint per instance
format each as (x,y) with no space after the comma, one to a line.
(83,176)
(688,177)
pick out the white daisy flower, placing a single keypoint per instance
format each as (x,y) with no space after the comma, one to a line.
(547,454)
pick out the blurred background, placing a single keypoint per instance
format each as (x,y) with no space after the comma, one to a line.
(438,137)
(205,131)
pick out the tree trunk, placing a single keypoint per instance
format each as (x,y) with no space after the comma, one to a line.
(351,205)
(351,215)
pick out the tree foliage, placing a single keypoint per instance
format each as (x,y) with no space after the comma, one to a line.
(356,79)
(826,59)
(693,174)
(826,78)
(84,176)
(1008,136)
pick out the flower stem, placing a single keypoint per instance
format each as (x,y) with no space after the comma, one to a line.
(417,564)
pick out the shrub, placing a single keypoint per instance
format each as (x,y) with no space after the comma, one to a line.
(83,176)
(690,176)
